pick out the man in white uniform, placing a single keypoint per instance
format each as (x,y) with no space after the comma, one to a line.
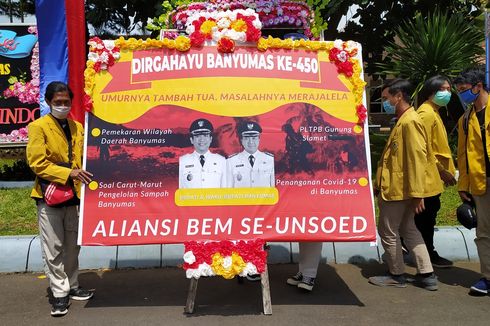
(251,167)
(201,168)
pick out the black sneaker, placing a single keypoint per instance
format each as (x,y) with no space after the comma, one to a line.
(80,294)
(427,282)
(60,306)
(306,283)
(440,262)
(295,280)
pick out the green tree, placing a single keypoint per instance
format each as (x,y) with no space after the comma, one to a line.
(16,9)
(374,23)
(119,17)
(437,44)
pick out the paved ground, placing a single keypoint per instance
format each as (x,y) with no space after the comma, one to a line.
(342,296)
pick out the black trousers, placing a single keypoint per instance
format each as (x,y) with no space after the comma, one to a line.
(426,221)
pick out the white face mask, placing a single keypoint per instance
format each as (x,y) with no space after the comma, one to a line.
(60,112)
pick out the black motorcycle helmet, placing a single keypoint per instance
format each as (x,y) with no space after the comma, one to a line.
(466,215)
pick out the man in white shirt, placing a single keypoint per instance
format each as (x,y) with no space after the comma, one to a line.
(250,168)
(201,168)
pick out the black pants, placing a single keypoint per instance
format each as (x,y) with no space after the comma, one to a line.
(426,221)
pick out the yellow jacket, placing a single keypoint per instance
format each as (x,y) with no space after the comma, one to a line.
(407,162)
(437,136)
(47,146)
(473,178)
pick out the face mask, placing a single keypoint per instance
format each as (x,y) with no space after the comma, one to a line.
(441,98)
(468,97)
(60,112)
(388,107)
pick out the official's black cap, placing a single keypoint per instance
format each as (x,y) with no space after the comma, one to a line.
(249,129)
(201,127)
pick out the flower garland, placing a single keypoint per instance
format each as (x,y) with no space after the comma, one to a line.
(103,54)
(224,258)
(26,91)
(272,13)
(19,135)
(232,25)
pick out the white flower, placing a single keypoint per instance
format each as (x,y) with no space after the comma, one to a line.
(351,45)
(92,56)
(339,44)
(205,270)
(236,36)
(116,55)
(92,43)
(342,56)
(104,57)
(218,34)
(190,29)
(227,262)
(189,257)
(192,273)
(257,24)
(109,44)
(223,23)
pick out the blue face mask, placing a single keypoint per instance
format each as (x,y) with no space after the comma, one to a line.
(388,107)
(468,97)
(441,98)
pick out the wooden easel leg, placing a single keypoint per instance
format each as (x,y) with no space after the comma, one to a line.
(191,296)
(266,292)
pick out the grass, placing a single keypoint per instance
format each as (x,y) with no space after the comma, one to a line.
(18,210)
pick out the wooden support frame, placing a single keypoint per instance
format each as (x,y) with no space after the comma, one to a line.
(266,294)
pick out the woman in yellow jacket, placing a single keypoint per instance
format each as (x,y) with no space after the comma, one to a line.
(48,152)
(403,179)
(474,162)
(435,94)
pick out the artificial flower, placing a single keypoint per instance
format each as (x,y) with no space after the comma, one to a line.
(207,27)
(197,39)
(189,257)
(182,43)
(226,45)
(361,113)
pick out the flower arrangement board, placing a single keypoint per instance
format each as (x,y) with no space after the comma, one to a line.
(19,82)
(312,182)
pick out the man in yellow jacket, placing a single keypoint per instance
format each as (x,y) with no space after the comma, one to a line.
(54,153)
(406,174)
(474,163)
(435,94)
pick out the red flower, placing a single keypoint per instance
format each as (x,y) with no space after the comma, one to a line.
(226,45)
(345,68)
(197,39)
(253,34)
(361,113)
(88,105)
(332,55)
(97,66)
(251,251)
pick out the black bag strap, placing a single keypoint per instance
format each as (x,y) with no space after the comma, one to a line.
(466,123)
